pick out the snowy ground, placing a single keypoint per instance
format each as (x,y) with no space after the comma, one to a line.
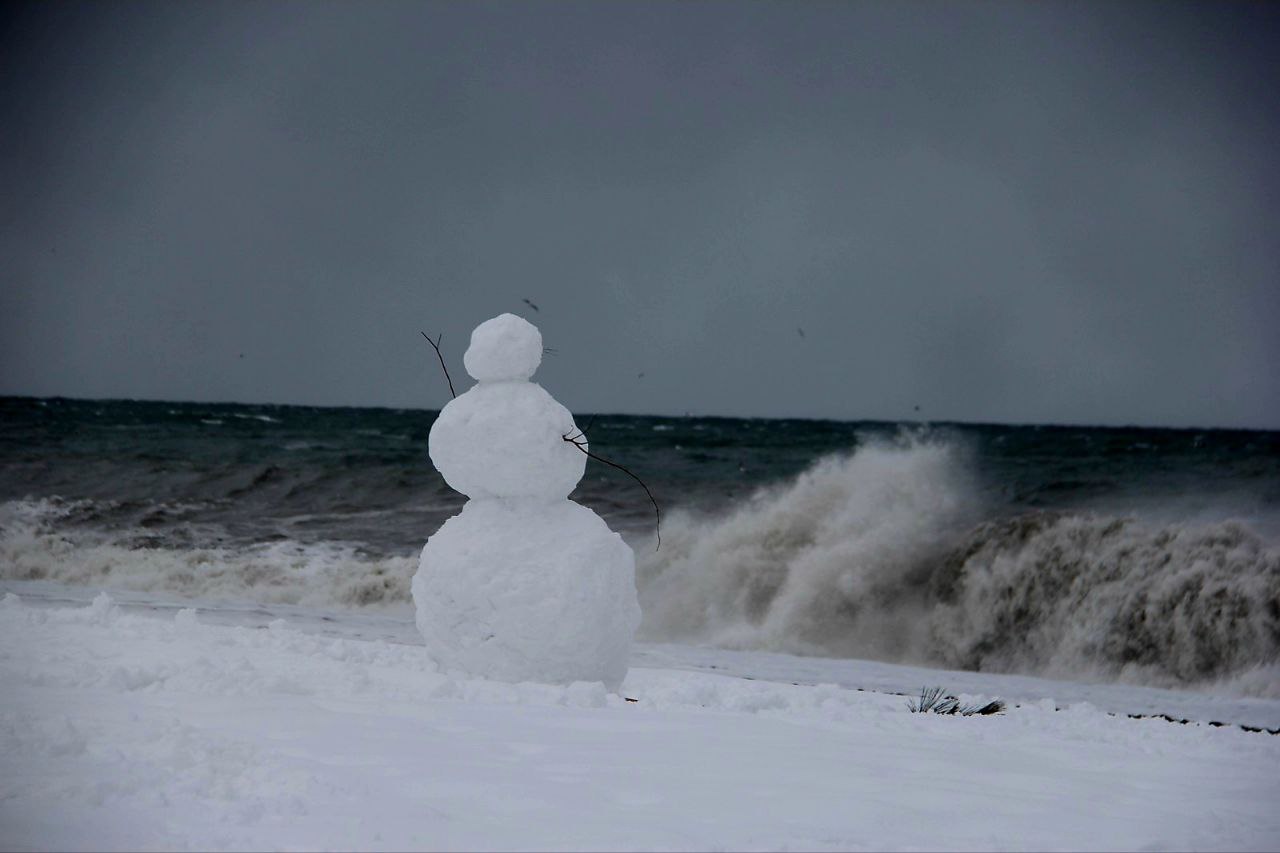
(143,725)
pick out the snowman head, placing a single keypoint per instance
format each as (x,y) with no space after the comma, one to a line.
(505,437)
(505,349)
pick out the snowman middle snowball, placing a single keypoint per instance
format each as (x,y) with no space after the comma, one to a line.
(523,584)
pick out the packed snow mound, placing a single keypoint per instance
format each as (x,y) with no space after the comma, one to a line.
(506,440)
(506,348)
(528,591)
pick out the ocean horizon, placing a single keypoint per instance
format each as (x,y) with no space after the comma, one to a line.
(1145,554)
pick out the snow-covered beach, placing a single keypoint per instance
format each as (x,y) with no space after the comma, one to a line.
(873,443)
(207,642)
(142,723)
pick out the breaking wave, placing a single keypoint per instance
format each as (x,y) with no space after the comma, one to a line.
(892,552)
(1071,594)
(37,544)
(827,564)
(888,553)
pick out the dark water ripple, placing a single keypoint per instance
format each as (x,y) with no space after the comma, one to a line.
(250,473)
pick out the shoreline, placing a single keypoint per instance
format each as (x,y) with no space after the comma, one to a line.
(394,623)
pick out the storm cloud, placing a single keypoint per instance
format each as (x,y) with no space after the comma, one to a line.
(1032,212)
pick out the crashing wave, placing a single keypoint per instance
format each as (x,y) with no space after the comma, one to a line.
(879,554)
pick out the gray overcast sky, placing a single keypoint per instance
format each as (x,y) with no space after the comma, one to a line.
(1030,212)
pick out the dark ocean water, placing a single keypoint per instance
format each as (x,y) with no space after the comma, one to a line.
(1147,554)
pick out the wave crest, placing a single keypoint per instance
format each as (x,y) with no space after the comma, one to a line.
(37,544)
(829,564)
(881,554)
(889,552)
(1112,597)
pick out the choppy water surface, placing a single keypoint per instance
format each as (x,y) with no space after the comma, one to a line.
(1141,554)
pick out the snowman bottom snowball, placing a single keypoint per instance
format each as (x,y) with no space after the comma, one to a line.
(528,591)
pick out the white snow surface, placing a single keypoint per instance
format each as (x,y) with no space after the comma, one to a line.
(165,728)
(527,590)
(504,348)
(506,439)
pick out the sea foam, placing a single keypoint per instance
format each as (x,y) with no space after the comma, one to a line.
(894,551)
(889,553)
(35,544)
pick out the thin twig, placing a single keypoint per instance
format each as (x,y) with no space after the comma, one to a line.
(436,346)
(579,442)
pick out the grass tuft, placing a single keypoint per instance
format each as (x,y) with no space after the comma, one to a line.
(934,700)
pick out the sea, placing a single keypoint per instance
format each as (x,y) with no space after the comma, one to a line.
(1132,554)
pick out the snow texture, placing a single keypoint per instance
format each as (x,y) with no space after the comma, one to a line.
(506,348)
(506,439)
(523,584)
(528,591)
(127,731)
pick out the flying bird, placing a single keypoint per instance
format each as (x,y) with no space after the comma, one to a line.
(530,304)
(800,331)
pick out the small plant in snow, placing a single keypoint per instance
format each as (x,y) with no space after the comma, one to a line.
(934,701)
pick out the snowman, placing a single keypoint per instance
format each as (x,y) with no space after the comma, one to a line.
(523,584)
